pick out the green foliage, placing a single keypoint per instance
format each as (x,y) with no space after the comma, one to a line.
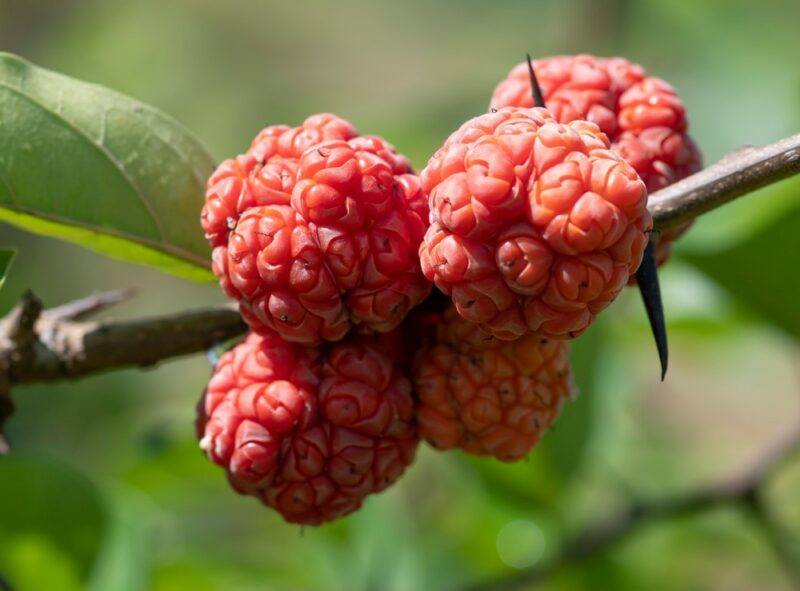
(59,531)
(86,164)
(760,268)
(125,557)
(33,563)
(48,514)
(6,258)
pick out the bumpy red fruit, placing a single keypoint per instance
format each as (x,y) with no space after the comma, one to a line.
(317,231)
(536,225)
(310,433)
(265,174)
(643,116)
(489,397)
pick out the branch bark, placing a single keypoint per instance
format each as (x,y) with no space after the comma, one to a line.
(66,348)
(17,338)
(740,172)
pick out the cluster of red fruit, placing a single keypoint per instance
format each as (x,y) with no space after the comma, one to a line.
(531,220)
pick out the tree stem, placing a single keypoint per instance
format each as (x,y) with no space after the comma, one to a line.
(740,172)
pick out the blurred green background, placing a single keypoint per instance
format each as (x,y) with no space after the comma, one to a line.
(106,488)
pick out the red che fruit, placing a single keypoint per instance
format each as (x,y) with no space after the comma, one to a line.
(489,397)
(309,432)
(536,225)
(316,231)
(265,174)
(642,116)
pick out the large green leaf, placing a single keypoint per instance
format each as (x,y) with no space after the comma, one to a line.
(89,165)
(6,256)
(760,270)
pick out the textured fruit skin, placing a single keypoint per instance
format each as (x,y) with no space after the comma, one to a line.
(642,115)
(486,396)
(265,174)
(316,230)
(309,432)
(535,225)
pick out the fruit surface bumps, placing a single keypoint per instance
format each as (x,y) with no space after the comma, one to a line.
(265,174)
(536,225)
(487,396)
(309,432)
(642,115)
(316,231)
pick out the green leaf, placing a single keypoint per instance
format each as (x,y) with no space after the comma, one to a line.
(48,510)
(58,530)
(125,558)
(6,257)
(760,271)
(32,563)
(85,164)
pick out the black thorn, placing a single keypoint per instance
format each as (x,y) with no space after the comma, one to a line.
(536,91)
(647,278)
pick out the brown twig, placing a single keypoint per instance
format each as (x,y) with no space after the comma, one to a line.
(737,174)
(17,338)
(745,489)
(65,348)
(42,345)
(91,304)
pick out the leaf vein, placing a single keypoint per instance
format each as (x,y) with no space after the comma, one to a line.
(116,163)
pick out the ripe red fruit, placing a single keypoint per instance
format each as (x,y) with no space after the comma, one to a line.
(317,230)
(489,397)
(309,432)
(265,174)
(536,225)
(642,116)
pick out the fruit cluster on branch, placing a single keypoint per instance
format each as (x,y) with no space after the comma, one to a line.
(530,220)
(100,346)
